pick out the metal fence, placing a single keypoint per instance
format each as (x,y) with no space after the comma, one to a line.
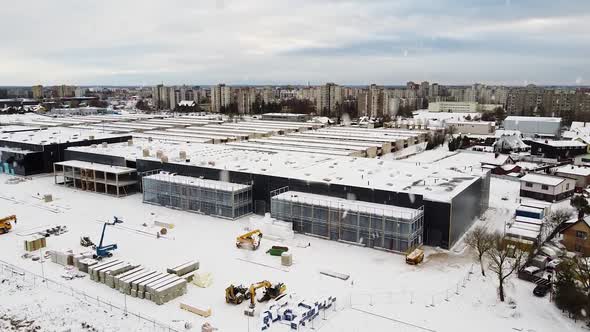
(32,279)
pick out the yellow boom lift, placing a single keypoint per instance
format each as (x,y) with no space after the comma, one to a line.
(5,225)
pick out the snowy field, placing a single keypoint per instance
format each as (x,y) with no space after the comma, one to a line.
(383,293)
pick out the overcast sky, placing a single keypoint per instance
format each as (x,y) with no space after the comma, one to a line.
(275,42)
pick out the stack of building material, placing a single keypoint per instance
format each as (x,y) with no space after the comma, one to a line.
(35,243)
(203,280)
(137,281)
(335,274)
(110,274)
(78,257)
(125,284)
(165,292)
(65,257)
(93,270)
(85,264)
(184,268)
(167,225)
(204,311)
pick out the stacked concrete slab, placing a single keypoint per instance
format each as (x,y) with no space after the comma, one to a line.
(138,281)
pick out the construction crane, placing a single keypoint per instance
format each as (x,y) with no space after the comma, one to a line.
(105,250)
(5,225)
(236,294)
(270,291)
(250,239)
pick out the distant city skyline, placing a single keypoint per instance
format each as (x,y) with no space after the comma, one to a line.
(452,42)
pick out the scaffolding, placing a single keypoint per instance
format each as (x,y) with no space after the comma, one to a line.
(216,198)
(380,226)
(112,180)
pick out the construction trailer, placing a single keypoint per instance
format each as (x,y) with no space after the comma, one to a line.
(211,197)
(373,225)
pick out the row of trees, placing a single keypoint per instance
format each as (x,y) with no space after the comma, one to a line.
(502,260)
(572,283)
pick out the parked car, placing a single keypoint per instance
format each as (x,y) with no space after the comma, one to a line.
(552,266)
(542,289)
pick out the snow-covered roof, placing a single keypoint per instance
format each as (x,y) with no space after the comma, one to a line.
(574,170)
(97,167)
(350,205)
(492,159)
(506,132)
(55,135)
(561,144)
(532,118)
(197,182)
(440,181)
(542,179)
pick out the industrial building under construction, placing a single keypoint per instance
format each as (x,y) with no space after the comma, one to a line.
(409,205)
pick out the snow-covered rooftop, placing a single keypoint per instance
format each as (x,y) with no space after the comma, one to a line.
(556,143)
(55,135)
(350,205)
(574,170)
(542,179)
(197,182)
(97,167)
(532,118)
(439,181)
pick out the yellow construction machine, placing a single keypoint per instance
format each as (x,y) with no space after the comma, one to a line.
(5,225)
(236,294)
(250,239)
(270,291)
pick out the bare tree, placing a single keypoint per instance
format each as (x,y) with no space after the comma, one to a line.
(480,240)
(554,221)
(581,267)
(504,260)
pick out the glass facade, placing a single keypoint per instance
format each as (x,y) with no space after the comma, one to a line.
(210,197)
(371,225)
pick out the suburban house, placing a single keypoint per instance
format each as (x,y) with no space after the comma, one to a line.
(546,187)
(575,236)
(578,173)
(500,164)
(556,149)
(510,144)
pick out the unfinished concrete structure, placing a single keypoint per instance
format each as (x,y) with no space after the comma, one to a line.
(100,178)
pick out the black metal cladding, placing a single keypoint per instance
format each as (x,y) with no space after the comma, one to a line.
(95,158)
(264,184)
(23,163)
(443,226)
(437,218)
(51,153)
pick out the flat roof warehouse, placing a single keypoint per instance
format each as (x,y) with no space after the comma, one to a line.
(452,197)
(429,180)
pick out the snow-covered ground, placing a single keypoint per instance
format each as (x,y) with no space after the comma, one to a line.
(383,293)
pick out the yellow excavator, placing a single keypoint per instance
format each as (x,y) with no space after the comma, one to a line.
(250,239)
(270,291)
(5,225)
(236,294)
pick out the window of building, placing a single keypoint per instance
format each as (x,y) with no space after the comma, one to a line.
(581,235)
(528,184)
(578,248)
(544,187)
(567,186)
